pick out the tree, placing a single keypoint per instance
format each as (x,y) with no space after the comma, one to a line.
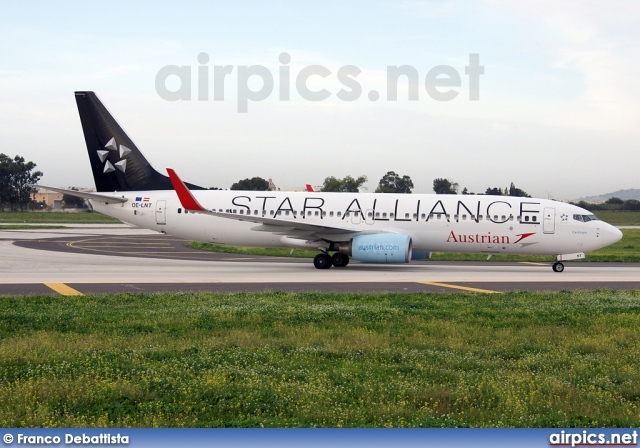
(69,201)
(253,184)
(614,201)
(16,178)
(513,191)
(393,183)
(445,186)
(631,204)
(494,191)
(346,185)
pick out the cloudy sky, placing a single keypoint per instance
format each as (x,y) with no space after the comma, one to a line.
(558,110)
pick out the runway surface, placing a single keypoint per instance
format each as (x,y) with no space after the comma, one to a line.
(87,259)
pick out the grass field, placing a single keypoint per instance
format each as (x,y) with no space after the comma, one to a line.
(622,218)
(84,217)
(28,227)
(564,359)
(625,250)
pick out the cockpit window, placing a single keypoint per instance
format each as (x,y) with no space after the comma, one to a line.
(585,218)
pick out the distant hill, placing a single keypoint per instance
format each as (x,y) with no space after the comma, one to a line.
(632,193)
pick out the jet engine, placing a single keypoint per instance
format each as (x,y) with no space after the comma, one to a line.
(379,248)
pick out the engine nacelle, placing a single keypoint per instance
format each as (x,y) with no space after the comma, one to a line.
(381,248)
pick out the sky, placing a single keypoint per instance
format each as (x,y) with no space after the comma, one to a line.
(556,110)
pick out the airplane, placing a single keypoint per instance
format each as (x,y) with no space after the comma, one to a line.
(364,227)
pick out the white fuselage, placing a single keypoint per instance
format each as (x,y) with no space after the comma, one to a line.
(435,223)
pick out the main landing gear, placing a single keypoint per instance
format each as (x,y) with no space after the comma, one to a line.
(325,261)
(558,267)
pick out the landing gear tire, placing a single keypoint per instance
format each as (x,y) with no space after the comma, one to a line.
(322,261)
(558,267)
(340,260)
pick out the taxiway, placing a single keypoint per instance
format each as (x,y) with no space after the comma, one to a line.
(120,258)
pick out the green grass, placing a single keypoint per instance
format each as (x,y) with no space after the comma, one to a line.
(625,250)
(28,227)
(562,359)
(263,251)
(622,218)
(85,217)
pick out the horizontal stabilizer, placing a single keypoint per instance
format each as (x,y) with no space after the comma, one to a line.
(85,195)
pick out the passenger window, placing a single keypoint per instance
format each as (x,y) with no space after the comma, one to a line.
(179,210)
(330,214)
(384,215)
(391,215)
(271,212)
(526,219)
(406,215)
(317,213)
(534,218)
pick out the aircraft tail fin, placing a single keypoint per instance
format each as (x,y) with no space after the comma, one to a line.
(116,162)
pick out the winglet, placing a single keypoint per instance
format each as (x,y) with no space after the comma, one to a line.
(309,188)
(186,198)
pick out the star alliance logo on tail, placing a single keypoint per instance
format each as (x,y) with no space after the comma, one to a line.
(113,146)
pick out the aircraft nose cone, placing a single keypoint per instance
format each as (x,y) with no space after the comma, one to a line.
(612,235)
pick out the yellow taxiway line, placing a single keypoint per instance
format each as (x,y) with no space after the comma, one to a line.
(465,288)
(63,289)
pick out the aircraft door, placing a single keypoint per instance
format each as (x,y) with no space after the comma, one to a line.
(549,220)
(161,212)
(356,217)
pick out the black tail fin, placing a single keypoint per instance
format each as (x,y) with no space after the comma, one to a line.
(116,162)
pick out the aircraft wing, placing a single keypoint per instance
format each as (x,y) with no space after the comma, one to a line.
(290,228)
(85,195)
